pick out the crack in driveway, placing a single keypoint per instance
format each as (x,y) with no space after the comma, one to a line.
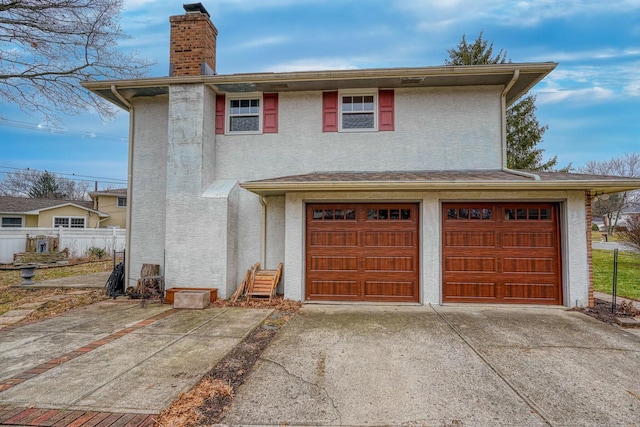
(530,403)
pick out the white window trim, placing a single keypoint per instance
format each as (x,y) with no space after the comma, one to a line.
(53,221)
(118,202)
(22,220)
(359,92)
(227,113)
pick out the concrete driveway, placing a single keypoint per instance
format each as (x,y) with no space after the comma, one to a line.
(444,366)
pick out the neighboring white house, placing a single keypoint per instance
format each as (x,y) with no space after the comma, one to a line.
(369,185)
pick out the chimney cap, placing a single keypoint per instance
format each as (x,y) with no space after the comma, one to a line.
(195,7)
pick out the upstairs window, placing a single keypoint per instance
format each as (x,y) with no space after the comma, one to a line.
(122,202)
(244,115)
(358,112)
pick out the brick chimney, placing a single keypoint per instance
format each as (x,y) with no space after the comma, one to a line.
(193,43)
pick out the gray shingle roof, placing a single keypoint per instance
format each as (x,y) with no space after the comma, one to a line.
(10,204)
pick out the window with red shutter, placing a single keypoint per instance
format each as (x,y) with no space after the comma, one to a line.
(386,120)
(270,113)
(220,104)
(330,112)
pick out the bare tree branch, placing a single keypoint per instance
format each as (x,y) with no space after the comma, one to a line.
(48,47)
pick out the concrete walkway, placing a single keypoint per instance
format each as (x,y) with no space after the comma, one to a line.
(443,366)
(112,359)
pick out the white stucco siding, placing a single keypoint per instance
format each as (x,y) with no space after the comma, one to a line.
(572,231)
(435,129)
(148,185)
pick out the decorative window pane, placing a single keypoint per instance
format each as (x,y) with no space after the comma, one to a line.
(317,214)
(487,213)
(61,222)
(463,213)
(244,123)
(339,214)
(383,214)
(545,213)
(328,214)
(11,222)
(358,112)
(521,213)
(350,214)
(475,213)
(244,115)
(533,213)
(372,214)
(77,222)
(405,214)
(452,213)
(394,214)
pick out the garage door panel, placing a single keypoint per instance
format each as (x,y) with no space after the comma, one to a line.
(470,291)
(524,261)
(529,291)
(334,263)
(389,264)
(333,238)
(470,264)
(530,265)
(389,239)
(528,240)
(386,289)
(336,289)
(482,239)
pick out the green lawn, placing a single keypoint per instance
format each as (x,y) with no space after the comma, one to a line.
(628,273)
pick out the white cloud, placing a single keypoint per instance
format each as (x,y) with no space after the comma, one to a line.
(265,41)
(592,94)
(313,65)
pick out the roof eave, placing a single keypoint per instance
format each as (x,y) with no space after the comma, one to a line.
(281,188)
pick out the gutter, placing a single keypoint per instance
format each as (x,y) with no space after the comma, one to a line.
(127,257)
(503,131)
(263,232)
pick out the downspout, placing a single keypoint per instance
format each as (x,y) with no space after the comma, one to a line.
(503,130)
(263,233)
(127,256)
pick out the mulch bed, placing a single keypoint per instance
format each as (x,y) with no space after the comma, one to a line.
(602,311)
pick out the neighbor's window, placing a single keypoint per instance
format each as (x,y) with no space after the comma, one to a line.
(11,222)
(122,202)
(244,115)
(69,222)
(358,112)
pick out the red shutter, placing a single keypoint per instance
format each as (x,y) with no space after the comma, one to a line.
(270,113)
(220,105)
(385,110)
(330,112)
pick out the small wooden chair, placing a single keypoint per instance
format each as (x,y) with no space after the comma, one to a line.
(264,283)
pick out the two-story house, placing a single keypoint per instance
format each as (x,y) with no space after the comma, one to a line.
(369,185)
(114,203)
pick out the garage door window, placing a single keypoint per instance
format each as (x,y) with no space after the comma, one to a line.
(334,214)
(542,214)
(388,214)
(469,213)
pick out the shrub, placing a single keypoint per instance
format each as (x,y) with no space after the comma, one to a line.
(96,252)
(594,227)
(631,233)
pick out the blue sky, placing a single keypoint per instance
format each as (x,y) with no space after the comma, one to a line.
(591,102)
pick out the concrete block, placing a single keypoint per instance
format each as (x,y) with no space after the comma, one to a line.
(192,299)
(628,322)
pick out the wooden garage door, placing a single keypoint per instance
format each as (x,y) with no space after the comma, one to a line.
(362,252)
(501,253)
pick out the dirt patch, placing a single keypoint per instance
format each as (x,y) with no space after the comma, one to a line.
(207,402)
(602,311)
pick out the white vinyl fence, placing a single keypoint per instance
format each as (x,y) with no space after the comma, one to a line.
(77,240)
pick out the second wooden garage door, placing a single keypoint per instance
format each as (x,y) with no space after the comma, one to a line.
(501,253)
(362,252)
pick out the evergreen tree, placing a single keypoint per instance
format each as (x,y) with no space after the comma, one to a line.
(524,132)
(46,187)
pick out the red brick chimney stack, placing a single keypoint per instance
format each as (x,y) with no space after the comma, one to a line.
(193,43)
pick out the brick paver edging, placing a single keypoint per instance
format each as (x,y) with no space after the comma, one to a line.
(62,418)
